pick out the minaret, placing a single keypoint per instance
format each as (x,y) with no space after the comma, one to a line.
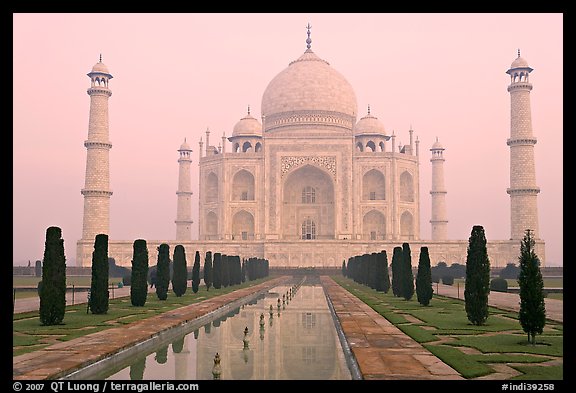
(184,204)
(439,218)
(523,190)
(96,191)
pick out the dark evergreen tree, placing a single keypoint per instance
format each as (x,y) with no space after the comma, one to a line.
(178,345)
(163,271)
(139,278)
(99,285)
(38,268)
(406,273)
(161,356)
(397,271)
(344,268)
(137,369)
(236,271)
(424,289)
(225,271)
(532,314)
(196,273)
(372,270)
(243,271)
(180,271)
(477,285)
(217,270)
(53,288)
(382,279)
(208,271)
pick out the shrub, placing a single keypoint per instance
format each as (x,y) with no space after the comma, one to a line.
(208,271)
(53,289)
(139,276)
(448,280)
(510,271)
(407,275)
(396,271)
(424,278)
(499,285)
(435,278)
(99,285)
(163,271)
(196,272)
(180,275)
(217,270)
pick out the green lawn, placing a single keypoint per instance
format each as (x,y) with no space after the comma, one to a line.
(500,340)
(549,282)
(29,335)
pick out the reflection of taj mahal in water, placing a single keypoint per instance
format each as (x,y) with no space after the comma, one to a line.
(309,184)
(301,343)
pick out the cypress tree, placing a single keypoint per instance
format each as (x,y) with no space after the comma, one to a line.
(99,284)
(372,270)
(208,271)
(180,273)
(383,282)
(407,276)
(196,273)
(53,288)
(243,271)
(139,276)
(235,270)
(217,270)
(397,271)
(532,314)
(163,271)
(225,271)
(344,268)
(161,356)
(477,285)
(178,345)
(137,369)
(424,278)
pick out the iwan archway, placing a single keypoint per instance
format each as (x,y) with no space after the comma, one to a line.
(308,205)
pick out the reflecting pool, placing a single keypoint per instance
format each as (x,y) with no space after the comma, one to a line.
(294,339)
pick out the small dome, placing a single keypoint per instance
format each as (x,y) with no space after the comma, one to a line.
(437,145)
(519,63)
(247,126)
(101,68)
(369,125)
(185,146)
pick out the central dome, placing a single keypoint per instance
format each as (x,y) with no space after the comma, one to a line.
(309,91)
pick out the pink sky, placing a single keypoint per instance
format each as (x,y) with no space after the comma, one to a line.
(176,74)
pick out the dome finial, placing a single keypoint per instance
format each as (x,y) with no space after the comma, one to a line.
(518,52)
(308,40)
(100,58)
(368,109)
(248,110)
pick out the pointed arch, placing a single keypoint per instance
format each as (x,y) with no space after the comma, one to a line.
(374,225)
(406,225)
(211,226)
(211,188)
(406,187)
(243,226)
(243,186)
(373,186)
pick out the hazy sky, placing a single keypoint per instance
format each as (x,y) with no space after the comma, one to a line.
(177,74)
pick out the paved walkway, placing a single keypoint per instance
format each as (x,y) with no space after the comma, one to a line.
(381,349)
(62,358)
(78,297)
(504,300)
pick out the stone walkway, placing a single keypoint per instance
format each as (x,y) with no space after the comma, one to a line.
(382,351)
(504,300)
(62,358)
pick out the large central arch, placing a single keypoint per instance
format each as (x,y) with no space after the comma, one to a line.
(308,196)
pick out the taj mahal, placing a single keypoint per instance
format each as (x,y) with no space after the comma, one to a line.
(314,181)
